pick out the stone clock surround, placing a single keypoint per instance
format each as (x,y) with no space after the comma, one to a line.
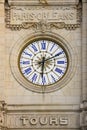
(80,113)
(16,51)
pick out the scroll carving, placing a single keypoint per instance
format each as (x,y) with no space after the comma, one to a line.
(43,27)
(43,2)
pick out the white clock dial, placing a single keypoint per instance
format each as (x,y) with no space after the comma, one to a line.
(43,62)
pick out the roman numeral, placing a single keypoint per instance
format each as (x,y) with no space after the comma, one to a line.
(27,71)
(58,70)
(26,53)
(34,47)
(43,45)
(34,77)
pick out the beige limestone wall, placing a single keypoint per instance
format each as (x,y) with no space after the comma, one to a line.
(2,50)
(84,51)
(65,99)
(13,92)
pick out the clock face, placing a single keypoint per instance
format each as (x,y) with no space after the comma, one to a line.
(43,62)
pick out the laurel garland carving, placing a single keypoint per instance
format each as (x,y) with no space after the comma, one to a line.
(27,25)
(43,27)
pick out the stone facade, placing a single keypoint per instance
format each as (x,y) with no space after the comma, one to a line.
(21,108)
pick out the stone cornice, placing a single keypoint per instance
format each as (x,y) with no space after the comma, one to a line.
(40,2)
(43,107)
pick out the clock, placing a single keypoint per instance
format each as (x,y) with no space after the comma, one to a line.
(43,62)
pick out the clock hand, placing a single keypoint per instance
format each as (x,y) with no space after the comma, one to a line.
(43,60)
(51,57)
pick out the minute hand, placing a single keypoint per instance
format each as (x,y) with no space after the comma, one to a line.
(53,56)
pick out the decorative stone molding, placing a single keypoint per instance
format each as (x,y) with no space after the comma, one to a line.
(83,120)
(3,109)
(83,115)
(43,2)
(3,106)
(83,105)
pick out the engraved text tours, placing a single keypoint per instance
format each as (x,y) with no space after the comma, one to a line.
(45,120)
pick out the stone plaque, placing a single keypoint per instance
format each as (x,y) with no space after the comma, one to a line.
(19,15)
(42,120)
(39,16)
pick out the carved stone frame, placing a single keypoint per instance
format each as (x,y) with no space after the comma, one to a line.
(42,25)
